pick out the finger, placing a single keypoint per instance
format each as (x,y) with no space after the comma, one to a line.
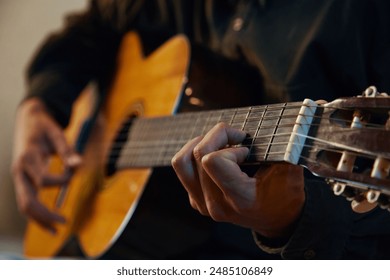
(62,148)
(188,173)
(186,170)
(33,165)
(220,136)
(200,206)
(44,217)
(223,168)
(31,207)
(219,176)
(217,138)
(55,180)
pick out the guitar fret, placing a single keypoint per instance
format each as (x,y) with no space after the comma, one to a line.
(246,119)
(272,137)
(206,123)
(239,118)
(260,123)
(233,116)
(154,141)
(164,136)
(220,116)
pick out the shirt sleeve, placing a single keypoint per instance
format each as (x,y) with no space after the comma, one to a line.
(329,229)
(322,229)
(325,224)
(84,50)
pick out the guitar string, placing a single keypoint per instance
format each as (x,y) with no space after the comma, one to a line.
(245,110)
(324,146)
(166,161)
(114,156)
(348,122)
(118,145)
(317,147)
(336,145)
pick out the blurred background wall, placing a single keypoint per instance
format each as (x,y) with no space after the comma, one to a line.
(23,26)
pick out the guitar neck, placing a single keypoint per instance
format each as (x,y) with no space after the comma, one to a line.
(152,142)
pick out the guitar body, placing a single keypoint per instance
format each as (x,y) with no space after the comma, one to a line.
(96,206)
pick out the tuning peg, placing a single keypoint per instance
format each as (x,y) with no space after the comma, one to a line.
(342,189)
(373,92)
(373,196)
(370,92)
(377,198)
(338,188)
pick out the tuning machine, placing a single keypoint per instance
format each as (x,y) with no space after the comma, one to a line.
(373,92)
(361,200)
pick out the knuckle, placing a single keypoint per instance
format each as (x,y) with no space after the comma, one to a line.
(209,160)
(57,135)
(199,152)
(216,213)
(176,161)
(194,204)
(25,207)
(203,211)
(37,180)
(200,207)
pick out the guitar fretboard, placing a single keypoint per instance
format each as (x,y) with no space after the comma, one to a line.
(153,142)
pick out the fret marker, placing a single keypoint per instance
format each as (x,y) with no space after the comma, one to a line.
(300,131)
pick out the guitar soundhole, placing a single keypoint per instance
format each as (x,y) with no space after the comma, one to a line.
(117,145)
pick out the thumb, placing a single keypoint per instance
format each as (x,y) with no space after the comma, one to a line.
(61,147)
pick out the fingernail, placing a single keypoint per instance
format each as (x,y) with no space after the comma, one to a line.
(73,160)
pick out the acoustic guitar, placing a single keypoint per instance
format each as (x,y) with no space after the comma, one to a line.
(344,141)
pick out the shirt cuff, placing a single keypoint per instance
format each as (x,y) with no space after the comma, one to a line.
(270,245)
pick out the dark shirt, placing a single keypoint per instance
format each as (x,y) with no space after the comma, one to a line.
(291,50)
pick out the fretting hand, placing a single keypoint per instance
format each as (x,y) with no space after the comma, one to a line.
(269,202)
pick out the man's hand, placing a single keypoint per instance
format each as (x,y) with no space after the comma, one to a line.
(269,202)
(37,136)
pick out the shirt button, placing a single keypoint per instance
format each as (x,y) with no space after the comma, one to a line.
(309,254)
(238,24)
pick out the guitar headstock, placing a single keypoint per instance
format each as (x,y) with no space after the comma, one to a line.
(349,144)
